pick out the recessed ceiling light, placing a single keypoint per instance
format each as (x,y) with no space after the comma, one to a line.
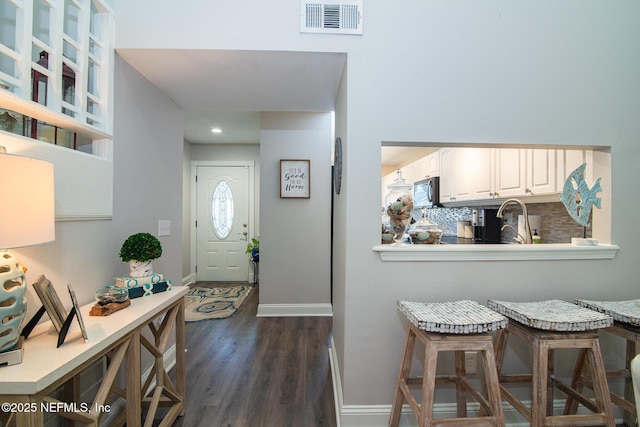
(216,130)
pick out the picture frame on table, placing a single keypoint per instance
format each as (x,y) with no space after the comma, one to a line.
(76,307)
(51,302)
(295,179)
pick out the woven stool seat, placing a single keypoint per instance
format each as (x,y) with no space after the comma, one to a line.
(552,315)
(457,317)
(621,311)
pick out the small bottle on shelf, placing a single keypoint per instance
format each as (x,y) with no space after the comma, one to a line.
(535,238)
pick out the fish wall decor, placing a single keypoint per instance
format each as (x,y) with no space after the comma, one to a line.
(578,198)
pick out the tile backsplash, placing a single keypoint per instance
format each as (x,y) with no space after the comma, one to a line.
(556,224)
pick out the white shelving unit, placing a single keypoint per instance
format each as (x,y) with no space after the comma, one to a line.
(56,62)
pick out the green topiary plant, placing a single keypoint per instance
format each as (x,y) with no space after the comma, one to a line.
(140,247)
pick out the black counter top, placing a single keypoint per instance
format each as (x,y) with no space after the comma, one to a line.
(453,240)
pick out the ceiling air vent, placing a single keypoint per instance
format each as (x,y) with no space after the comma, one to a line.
(337,17)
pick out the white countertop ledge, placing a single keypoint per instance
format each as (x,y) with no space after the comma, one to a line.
(506,252)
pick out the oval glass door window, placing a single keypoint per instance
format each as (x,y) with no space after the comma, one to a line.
(222,210)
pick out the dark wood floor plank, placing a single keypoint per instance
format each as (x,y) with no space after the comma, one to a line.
(249,371)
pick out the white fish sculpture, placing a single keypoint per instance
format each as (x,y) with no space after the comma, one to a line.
(578,198)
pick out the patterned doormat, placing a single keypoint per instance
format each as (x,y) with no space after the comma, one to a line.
(213,303)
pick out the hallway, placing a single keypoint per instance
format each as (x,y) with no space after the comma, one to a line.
(248,371)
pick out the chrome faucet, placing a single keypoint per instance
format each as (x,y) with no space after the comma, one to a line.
(527,230)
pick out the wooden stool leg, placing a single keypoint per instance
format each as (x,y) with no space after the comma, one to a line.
(539,382)
(550,385)
(500,347)
(498,356)
(428,384)
(405,366)
(492,385)
(461,395)
(600,386)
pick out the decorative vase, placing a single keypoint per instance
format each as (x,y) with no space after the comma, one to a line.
(140,268)
(399,203)
(255,255)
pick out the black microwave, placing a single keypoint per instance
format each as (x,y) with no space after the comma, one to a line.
(427,192)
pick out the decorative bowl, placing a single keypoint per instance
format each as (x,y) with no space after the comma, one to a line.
(425,237)
(109,295)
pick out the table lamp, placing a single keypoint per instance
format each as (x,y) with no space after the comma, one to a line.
(27,217)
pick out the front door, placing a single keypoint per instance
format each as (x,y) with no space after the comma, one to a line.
(222,230)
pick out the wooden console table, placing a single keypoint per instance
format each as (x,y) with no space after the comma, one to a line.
(120,337)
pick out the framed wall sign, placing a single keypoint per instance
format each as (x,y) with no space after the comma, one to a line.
(295,179)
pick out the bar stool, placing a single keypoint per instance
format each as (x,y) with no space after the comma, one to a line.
(450,326)
(549,326)
(626,316)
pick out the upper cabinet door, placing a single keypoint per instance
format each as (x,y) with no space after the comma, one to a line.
(433,164)
(541,172)
(485,173)
(511,172)
(456,174)
(447,175)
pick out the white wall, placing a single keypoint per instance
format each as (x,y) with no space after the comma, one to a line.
(482,72)
(148,138)
(294,243)
(497,72)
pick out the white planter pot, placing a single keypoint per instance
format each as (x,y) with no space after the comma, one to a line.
(140,269)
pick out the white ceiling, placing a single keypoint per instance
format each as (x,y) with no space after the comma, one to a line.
(228,89)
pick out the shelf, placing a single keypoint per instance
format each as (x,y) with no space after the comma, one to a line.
(29,108)
(504,252)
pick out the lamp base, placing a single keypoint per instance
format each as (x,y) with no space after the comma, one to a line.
(12,356)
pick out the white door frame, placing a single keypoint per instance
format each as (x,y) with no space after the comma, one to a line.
(252,200)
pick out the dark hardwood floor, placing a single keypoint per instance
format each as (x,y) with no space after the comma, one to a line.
(249,371)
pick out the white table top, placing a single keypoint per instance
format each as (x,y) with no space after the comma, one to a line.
(43,364)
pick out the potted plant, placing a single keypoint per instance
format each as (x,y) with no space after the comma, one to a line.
(139,250)
(253,248)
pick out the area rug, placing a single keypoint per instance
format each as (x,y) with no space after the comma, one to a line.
(213,303)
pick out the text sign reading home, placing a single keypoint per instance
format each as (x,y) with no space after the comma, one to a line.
(294,179)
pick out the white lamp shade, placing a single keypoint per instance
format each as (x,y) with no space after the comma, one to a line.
(27,212)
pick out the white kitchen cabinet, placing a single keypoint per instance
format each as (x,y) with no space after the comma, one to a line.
(432,163)
(447,175)
(511,168)
(568,161)
(423,168)
(484,174)
(456,175)
(412,172)
(541,172)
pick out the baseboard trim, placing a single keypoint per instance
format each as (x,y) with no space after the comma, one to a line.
(335,379)
(186,281)
(294,310)
(378,415)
